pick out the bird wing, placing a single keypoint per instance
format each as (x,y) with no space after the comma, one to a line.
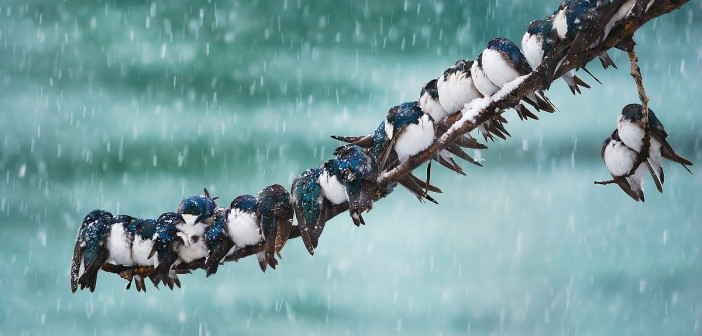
(75,264)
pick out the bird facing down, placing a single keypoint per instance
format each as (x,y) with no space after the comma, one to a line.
(275,212)
(90,249)
(631,132)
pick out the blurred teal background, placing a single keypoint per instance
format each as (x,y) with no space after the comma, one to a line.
(131,106)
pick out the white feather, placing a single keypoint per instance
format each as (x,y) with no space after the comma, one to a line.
(432,107)
(455,91)
(119,246)
(414,138)
(140,251)
(632,135)
(193,248)
(621,14)
(619,160)
(242,228)
(189,219)
(498,69)
(560,24)
(333,190)
(532,49)
(481,81)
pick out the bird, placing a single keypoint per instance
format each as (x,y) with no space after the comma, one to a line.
(377,142)
(409,131)
(311,207)
(581,24)
(90,251)
(502,62)
(429,103)
(631,132)
(114,248)
(276,215)
(539,40)
(195,214)
(350,177)
(455,88)
(620,160)
(235,228)
(143,231)
(165,233)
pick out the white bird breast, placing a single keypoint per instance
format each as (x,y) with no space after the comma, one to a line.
(243,228)
(560,24)
(189,219)
(481,81)
(140,251)
(414,138)
(632,135)
(119,246)
(333,190)
(497,68)
(432,107)
(531,46)
(192,249)
(619,158)
(455,91)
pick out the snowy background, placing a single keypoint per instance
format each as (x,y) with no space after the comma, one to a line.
(131,106)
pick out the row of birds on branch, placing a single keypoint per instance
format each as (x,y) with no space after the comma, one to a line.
(200,231)
(621,152)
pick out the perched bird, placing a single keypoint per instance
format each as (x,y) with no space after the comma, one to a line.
(430,103)
(143,231)
(620,160)
(165,233)
(502,62)
(581,24)
(195,214)
(409,131)
(350,177)
(311,207)
(377,142)
(453,91)
(631,132)
(90,250)
(538,41)
(276,215)
(235,228)
(455,88)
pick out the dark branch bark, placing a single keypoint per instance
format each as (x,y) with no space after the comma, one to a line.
(458,124)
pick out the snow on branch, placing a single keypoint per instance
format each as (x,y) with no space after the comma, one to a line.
(478,112)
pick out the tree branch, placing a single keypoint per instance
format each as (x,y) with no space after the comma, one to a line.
(483,110)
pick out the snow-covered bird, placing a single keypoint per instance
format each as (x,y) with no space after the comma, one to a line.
(620,160)
(631,132)
(539,40)
(429,103)
(355,170)
(378,142)
(195,214)
(235,228)
(90,250)
(165,233)
(276,215)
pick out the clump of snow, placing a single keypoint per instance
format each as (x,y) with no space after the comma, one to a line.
(508,88)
